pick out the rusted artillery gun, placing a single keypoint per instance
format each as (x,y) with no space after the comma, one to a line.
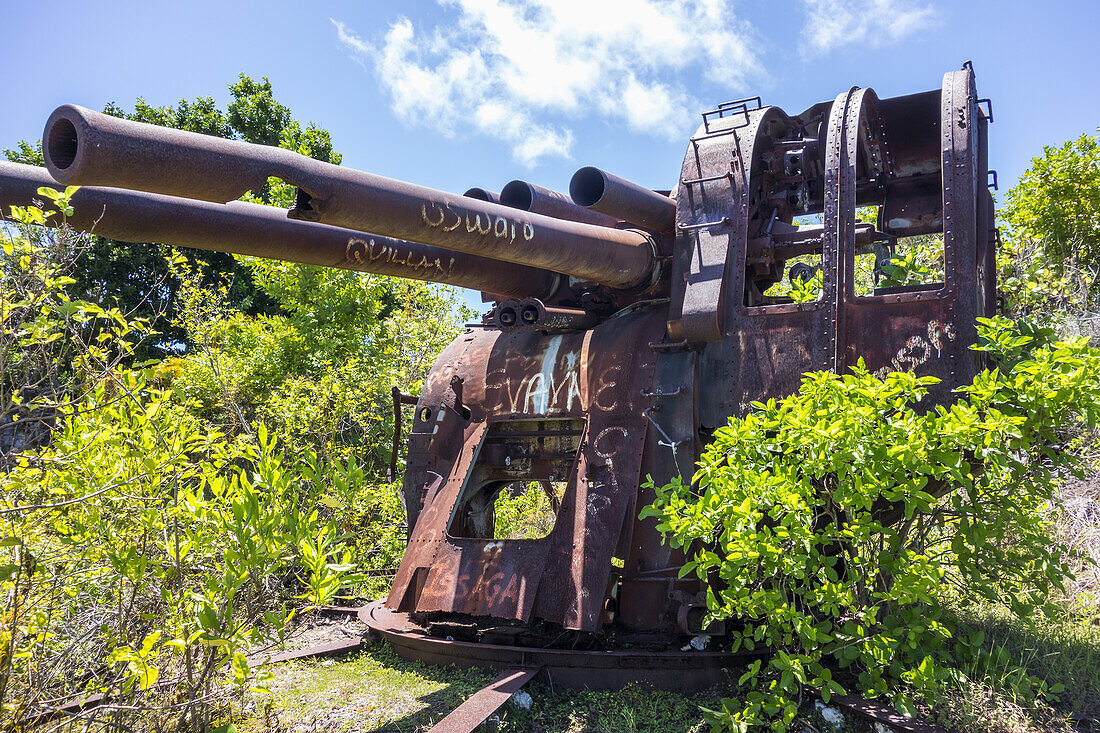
(628,325)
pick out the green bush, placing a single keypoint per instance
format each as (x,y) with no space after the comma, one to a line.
(152,546)
(52,346)
(319,374)
(144,550)
(1057,204)
(369,514)
(1049,259)
(832,526)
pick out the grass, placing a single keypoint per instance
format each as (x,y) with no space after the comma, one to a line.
(1065,651)
(375,690)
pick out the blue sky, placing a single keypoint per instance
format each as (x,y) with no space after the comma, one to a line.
(462,93)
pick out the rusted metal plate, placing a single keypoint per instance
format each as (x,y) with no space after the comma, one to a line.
(532,376)
(766,346)
(712,198)
(886,715)
(651,593)
(328,649)
(483,703)
(927,330)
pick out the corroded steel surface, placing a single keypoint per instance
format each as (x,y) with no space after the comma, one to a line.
(679,671)
(580,388)
(538,200)
(884,714)
(264,231)
(90,148)
(601,191)
(544,383)
(483,703)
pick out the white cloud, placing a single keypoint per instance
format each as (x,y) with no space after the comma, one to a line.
(830,24)
(506,65)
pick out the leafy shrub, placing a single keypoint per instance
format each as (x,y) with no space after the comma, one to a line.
(1057,204)
(320,375)
(918,263)
(369,514)
(143,545)
(1048,261)
(832,526)
(524,514)
(806,290)
(51,345)
(145,551)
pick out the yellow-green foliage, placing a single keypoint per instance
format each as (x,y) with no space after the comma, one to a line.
(146,544)
(526,515)
(149,542)
(319,374)
(1057,203)
(1050,250)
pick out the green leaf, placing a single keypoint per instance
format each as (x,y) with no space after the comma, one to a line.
(148,643)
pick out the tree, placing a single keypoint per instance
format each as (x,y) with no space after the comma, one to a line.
(1057,203)
(137,277)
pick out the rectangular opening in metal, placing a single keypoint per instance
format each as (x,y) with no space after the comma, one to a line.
(892,264)
(516,484)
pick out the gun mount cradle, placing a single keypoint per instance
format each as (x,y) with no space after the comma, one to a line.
(628,325)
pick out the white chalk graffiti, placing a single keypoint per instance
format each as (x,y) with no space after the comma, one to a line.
(605,385)
(543,391)
(475,225)
(918,350)
(365,251)
(605,447)
(552,383)
(438,216)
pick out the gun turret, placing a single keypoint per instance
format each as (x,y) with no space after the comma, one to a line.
(612,352)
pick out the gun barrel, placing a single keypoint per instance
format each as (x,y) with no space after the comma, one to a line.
(90,148)
(264,231)
(599,190)
(483,194)
(538,200)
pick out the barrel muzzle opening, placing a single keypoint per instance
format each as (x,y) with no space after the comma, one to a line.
(62,143)
(587,186)
(517,195)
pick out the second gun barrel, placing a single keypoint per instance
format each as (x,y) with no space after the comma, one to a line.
(90,148)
